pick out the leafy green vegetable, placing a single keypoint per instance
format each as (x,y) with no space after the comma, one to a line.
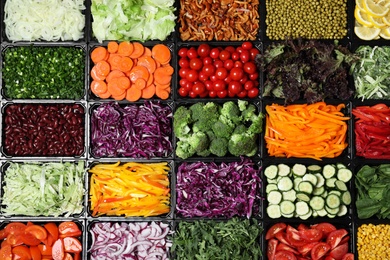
(209,239)
(372,72)
(36,72)
(43,189)
(373,185)
(139,20)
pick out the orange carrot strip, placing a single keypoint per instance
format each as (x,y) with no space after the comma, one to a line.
(133,94)
(112,47)
(161,53)
(98,54)
(149,91)
(125,48)
(138,50)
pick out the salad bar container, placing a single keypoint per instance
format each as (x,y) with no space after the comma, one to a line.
(137,173)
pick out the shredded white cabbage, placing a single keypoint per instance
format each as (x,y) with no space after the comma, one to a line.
(48,20)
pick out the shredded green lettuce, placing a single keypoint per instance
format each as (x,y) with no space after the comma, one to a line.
(132,20)
(43,189)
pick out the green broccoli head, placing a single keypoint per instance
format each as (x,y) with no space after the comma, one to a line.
(199,141)
(231,112)
(184,149)
(219,146)
(181,120)
(255,119)
(240,129)
(204,153)
(243,144)
(242,104)
(222,129)
(204,115)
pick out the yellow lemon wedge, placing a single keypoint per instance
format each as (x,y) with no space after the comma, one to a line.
(375,9)
(367,33)
(362,18)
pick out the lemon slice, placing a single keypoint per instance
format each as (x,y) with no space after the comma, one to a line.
(363,18)
(386,19)
(385,33)
(367,33)
(377,22)
(359,4)
(375,9)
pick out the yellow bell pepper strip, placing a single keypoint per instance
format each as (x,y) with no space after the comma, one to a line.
(306,131)
(130,189)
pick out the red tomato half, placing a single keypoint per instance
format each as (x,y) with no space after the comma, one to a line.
(21,253)
(293,237)
(30,239)
(335,237)
(339,251)
(6,252)
(319,250)
(305,249)
(282,237)
(68,227)
(284,255)
(15,228)
(285,247)
(311,235)
(325,227)
(38,231)
(275,229)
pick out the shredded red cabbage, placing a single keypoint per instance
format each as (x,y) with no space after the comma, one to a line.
(135,131)
(211,190)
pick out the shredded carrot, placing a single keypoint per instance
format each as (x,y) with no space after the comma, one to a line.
(306,131)
(130,189)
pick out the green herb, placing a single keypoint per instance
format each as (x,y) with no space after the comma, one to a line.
(36,72)
(43,189)
(371,72)
(373,185)
(209,239)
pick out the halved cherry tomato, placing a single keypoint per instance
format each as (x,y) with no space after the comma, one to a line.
(35,253)
(339,251)
(6,252)
(68,227)
(21,253)
(328,257)
(52,229)
(325,227)
(319,250)
(37,230)
(15,228)
(349,256)
(284,255)
(311,235)
(58,252)
(305,249)
(271,249)
(273,230)
(335,237)
(72,245)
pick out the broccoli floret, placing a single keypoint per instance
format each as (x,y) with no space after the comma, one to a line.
(222,129)
(181,120)
(242,104)
(231,112)
(204,153)
(243,144)
(184,149)
(204,115)
(240,129)
(211,135)
(198,141)
(249,115)
(219,146)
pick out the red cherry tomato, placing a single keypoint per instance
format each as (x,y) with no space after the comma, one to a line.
(192,94)
(224,55)
(235,56)
(254,76)
(212,93)
(242,94)
(196,63)
(239,49)
(183,72)
(218,64)
(204,50)
(222,93)
(250,67)
(213,78)
(183,82)
(208,69)
(238,64)
(228,79)
(192,53)
(214,53)
(207,60)
(245,56)
(249,85)
(247,45)
(204,94)
(228,64)
(230,49)
(183,92)
(254,53)
(184,63)
(235,87)
(236,73)
(230,94)
(188,86)
(202,76)
(209,85)
(244,79)
(198,88)
(183,52)
(219,85)
(221,73)
(192,75)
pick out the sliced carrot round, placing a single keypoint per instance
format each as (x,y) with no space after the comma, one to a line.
(105,95)
(98,87)
(133,94)
(162,93)
(138,50)
(161,53)
(123,82)
(139,72)
(112,47)
(114,59)
(125,48)
(103,68)
(114,74)
(161,77)
(126,64)
(148,62)
(149,91)
(120,97)
(95,75)
(147,52)
(140,83)
(114,88)
(98,54)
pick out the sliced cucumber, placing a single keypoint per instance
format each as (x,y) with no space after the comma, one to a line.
(340,166)
(307,215)
(317,203)
(283,169)
(322,212)
(329,171)
(333,201)
(314,168)
(344,175)
(299,170)
(270,187)
(346,198)
(320,180)
(296,181)
(290,195)
(330,182)
(303,196)
(332,211)
(285,183)
(274,197)
(318,190)
(340,185)
(306,187)
(343,210)
(273,211)
(287,207)
(301,208)
(271,172)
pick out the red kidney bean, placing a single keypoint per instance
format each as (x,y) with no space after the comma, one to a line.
(44,130)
